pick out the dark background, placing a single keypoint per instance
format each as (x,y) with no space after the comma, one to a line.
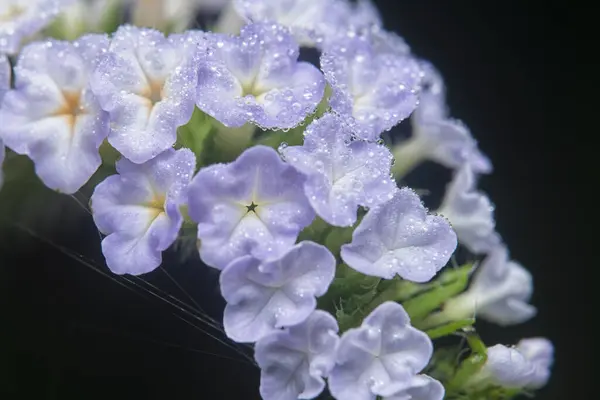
(67,332)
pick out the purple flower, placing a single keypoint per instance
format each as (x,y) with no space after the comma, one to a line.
(372,90)
(380,357)
(437,136)
(52,116)
(147,83)
(256,78)
(399,237)
(420,387)
(525,366)
(263,296)
(312,22)
(20,19)
(254,205)
(295,360)
(470,212)
(139,210)
(342,173)
(499,292)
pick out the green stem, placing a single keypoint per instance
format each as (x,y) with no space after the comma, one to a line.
(407,155)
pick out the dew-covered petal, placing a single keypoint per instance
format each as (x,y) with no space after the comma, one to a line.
(341,173)
(5,76)
(147,84)
(295,360)
(420,387)
(372,90)
(257,78)
(21,19)
(399,237)
(384,351)
(471,213)
(138,210)
(263,296)
(52,116)
(254,205)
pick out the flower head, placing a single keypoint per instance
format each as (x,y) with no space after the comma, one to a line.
(256,77)
(380,357)
(342,173)
(254,205)
(52,116)
(373,90)
(147,83)
(525,366)
(399,237)
(470,212)
(20,19)
(499,292)
(442,139)
(295,360)
(263,296)
(139,210)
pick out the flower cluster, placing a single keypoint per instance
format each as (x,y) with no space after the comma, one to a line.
(199,124)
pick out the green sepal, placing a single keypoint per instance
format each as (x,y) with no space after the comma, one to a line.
(196,135)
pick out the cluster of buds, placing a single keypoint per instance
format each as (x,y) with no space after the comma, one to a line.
(286,174)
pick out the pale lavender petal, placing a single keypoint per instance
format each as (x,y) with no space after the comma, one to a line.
(421,387)
(147,84)
(254,205)
(21,19)
(257,78)
(540,352)
(52,116)
(342,173)
(263,296)
(384,351)
(471,213)
(5,76)
(399,237)
(372,90)
(139,210)
(295,360)
(507,367)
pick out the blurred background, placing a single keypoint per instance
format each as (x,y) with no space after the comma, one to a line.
(65,327)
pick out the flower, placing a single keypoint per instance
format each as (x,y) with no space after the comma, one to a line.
(147,83)
(372,90)
(254,205)
(384,354)
(139,210)
(470,212)
(256,77)
(420,387)
(525,366)
(342,173)
(52,116)
(399,237)
(165,15)
(20,19)
(263,296)
(498,293)
(295,360)
(313,22)
(437,137)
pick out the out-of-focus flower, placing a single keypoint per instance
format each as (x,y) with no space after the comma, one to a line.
(342,173)
(52,116)
(254,205)
(381,357)
(20,19)
(436,136)
(263,296)
(526,366)
(85,16)
(399,237)
(5,76)
(257,78)
(139,210)
(295,360)
(371,90)
(147,84)
(470,212)
(499,292)
(165,15)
